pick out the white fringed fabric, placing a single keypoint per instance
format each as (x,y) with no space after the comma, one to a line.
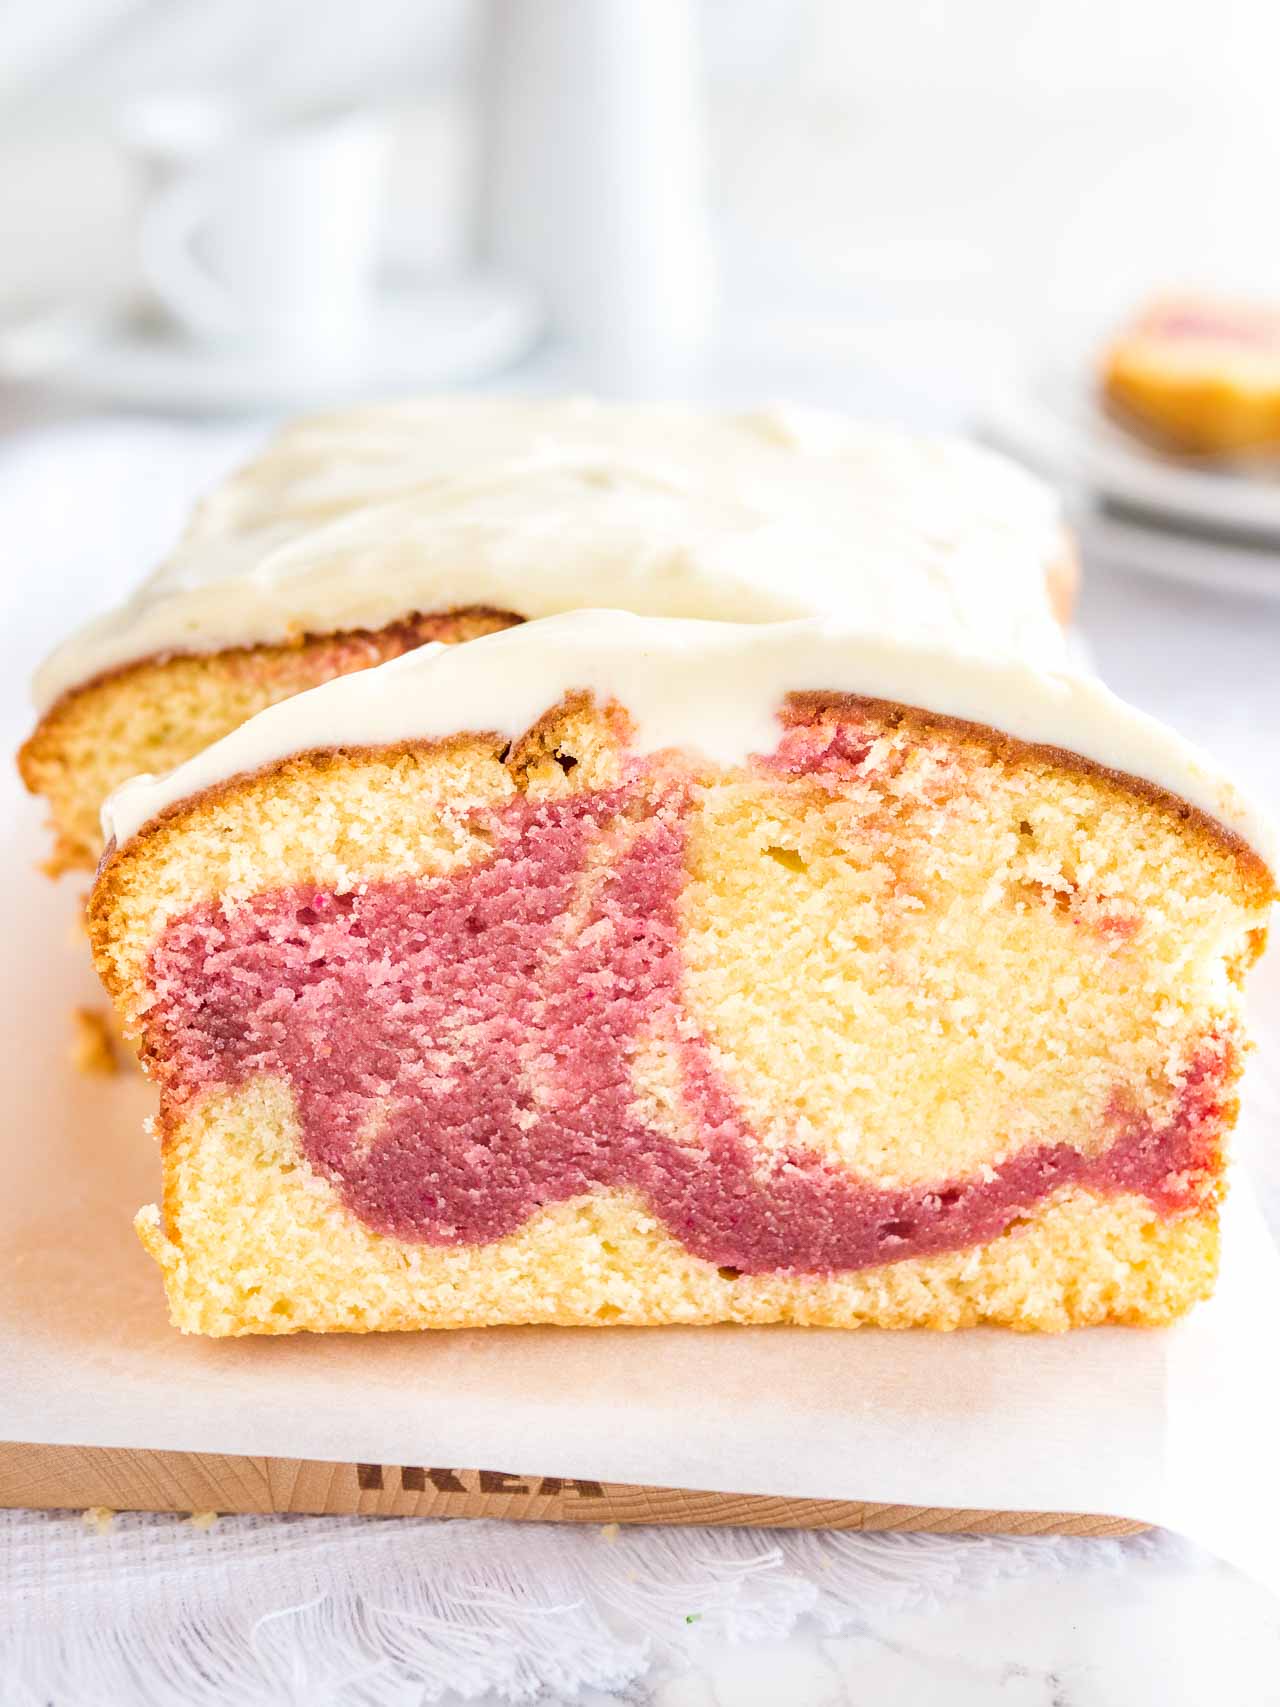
(353,1612)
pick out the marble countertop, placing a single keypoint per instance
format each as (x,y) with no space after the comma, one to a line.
(1174,1629)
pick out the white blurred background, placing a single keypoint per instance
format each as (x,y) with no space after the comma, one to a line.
(879,172)
(910,207)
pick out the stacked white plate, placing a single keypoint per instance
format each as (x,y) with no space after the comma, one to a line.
(1216,524)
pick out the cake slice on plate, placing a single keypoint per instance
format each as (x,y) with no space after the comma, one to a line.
(613,969)
(358,536)
(1199,375)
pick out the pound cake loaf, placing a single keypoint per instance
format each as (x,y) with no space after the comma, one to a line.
(625,970)
(358,536)
(1200,376)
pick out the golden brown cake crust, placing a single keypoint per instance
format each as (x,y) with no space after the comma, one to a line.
(407,632)
(1258,883)
(1256,874)
(153,714)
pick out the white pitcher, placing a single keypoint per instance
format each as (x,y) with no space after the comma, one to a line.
(592,170)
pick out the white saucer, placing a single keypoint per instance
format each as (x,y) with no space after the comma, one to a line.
(420,339)
(1053,420)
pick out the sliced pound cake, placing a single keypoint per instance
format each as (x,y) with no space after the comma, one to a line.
(613,969)
(360,535)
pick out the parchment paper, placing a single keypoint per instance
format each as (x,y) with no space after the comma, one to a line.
(1174,1427)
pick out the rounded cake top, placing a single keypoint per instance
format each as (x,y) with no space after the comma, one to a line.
(1190,334)
(355,519)
(714,688)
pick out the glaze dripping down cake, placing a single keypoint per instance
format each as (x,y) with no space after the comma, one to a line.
(613,969)
(358,536)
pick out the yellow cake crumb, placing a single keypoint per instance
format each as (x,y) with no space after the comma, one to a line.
(159,712)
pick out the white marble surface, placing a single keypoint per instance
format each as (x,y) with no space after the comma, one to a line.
(1180,1631)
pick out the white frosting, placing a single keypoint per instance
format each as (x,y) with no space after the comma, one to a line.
(711,686)
(354,520)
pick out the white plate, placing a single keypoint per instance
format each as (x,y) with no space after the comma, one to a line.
(1228,565)
(1053,420)
(419,339)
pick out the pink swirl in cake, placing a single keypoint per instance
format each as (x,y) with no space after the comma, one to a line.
(461,1051)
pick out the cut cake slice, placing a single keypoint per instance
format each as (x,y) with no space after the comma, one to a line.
(613,969)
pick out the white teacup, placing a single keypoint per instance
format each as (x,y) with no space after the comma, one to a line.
(260,230)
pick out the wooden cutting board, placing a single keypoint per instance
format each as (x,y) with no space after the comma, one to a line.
(122,1479)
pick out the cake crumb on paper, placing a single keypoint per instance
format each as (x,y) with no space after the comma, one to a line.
(93,1049)
(609,1533)
(203,1519)
(98,1517)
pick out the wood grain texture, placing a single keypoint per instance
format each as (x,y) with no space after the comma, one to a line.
(125,1479)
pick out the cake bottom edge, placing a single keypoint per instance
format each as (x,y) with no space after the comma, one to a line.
(251,1242)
